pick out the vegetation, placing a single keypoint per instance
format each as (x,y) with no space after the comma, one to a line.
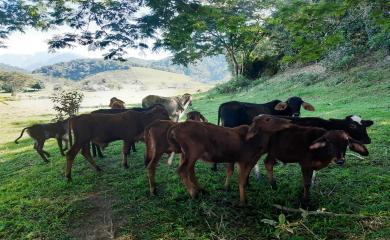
(66,103)
(36,201)
(78,69)
(13,82)
(206,70)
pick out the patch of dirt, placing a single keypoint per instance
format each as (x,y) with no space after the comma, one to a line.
(98,221)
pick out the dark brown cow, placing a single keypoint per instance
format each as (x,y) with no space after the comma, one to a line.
(216,144)
(157,144)
(105,128)
(41,132)
(313,148)
(116,103)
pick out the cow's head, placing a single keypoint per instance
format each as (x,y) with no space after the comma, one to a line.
(186,98)
(266,124)
(292,107)
(335,143)
(196,116)
(356,127)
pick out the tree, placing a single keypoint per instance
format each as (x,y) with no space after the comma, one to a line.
(13,81)
(231,27)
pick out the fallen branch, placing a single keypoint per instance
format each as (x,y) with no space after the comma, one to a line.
(318,212)
(355,155)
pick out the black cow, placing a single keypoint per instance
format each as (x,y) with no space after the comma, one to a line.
(233,114)
(354,125)
(96,148)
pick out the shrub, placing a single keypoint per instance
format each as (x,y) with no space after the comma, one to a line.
(66,103)
(237,84)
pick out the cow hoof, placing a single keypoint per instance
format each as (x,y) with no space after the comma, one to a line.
(126,166)
(214,168)
(153,193)
(98,169)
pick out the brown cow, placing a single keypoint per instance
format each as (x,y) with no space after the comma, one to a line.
(105,128)
(157,144)
(116,103)
(216,144)
(313,148)
(41,132)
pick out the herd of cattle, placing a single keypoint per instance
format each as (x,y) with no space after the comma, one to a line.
(244,133)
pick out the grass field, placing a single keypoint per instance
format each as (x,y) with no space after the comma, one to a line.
(37,203)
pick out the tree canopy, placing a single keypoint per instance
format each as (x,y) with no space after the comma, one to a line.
(247,32)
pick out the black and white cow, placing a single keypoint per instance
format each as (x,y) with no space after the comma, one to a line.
(233,114)
(353,125)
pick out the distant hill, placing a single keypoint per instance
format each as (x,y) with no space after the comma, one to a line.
(9,68)
(37,60)
(139,78)
(208,70)
(79,69)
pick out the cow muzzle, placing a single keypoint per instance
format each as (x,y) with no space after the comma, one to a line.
(340,161)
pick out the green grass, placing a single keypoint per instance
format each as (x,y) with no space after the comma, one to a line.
(36,201)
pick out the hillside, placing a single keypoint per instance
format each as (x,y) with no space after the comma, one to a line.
(9,68)
(210,69)
(139,79)
(40,204)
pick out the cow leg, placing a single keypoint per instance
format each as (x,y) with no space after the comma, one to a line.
(38,145)
(244,170)
(214,167)
(94,150)
(269,163)
(170,159)
(125,152)
(307,174)
(229,173)
(66,144)
(133,147)
(87,154)
(192,178)
(59,142)
(313,178)
(182,171)
(152,173)
(70,156)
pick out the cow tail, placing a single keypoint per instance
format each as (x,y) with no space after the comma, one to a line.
(150,152)
(173,144)
(21,134)
(219,114)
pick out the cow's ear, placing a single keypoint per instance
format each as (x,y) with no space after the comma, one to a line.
(203,118)
(367,123)
(319,143)
(252,131)
(281,106)
(358,147)
(308,106)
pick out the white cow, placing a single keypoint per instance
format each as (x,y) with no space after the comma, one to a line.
(175,106)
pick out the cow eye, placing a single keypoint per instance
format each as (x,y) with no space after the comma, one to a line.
(352,126)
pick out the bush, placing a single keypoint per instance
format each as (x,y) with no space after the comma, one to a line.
(66,103)
(340,58)
(237,84)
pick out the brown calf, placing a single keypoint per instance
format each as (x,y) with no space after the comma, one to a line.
(157,144)
(313,148)
(41,132)
(216,144)
(105,128)
(116,103)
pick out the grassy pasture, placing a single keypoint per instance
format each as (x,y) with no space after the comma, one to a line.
(37,203)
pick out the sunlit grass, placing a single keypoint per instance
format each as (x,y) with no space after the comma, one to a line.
(36,201)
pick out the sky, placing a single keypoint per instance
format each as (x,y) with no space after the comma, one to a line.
(33,41)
